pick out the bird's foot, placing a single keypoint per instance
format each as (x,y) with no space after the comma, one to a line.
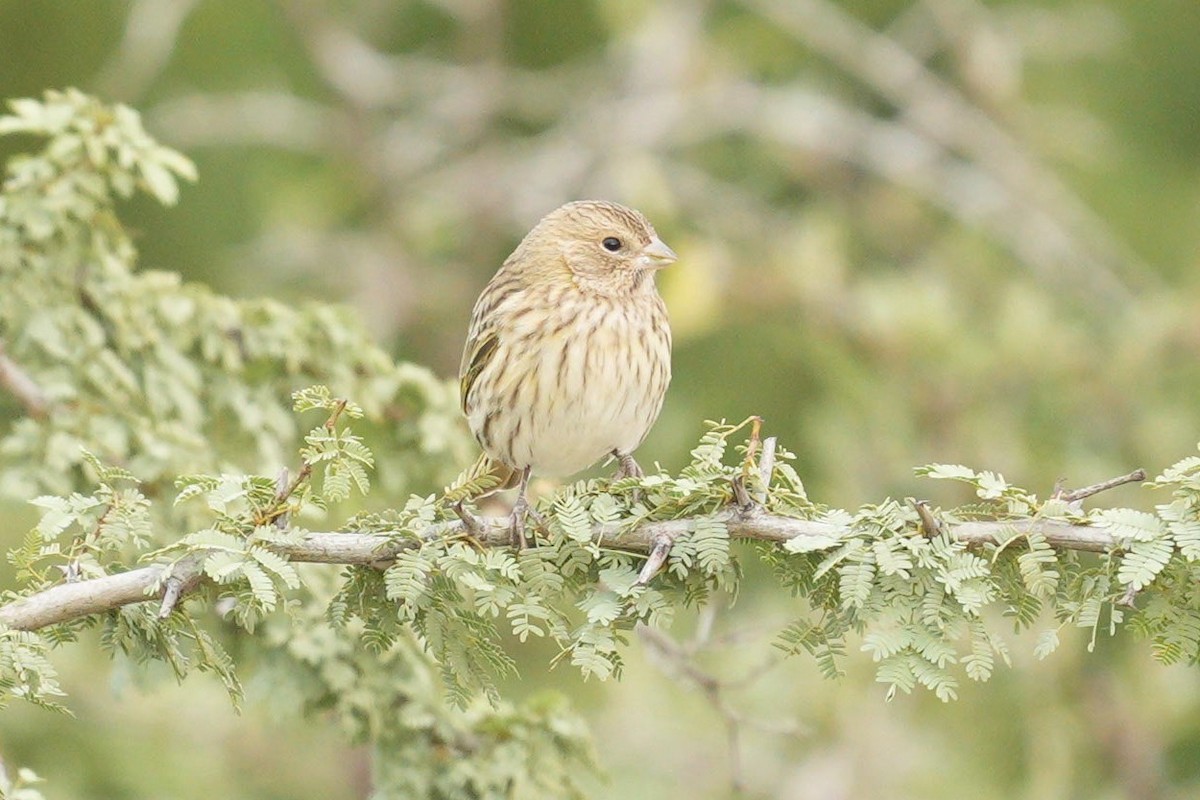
(628,467)
(521,510)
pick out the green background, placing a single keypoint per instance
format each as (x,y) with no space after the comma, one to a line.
(992,262)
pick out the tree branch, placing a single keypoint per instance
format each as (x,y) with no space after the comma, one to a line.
(70,601)
(1096,488)
(20,385)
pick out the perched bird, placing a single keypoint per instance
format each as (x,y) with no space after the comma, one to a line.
(568,354)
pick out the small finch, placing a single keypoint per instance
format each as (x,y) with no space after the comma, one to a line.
(568,355)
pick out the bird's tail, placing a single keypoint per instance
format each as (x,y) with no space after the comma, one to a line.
(486,476)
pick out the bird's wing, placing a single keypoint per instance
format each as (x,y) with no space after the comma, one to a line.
(479,351)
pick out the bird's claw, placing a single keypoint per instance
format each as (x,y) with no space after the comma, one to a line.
(517,525)
(628,467)
(522,509)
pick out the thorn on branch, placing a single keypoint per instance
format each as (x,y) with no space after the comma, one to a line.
(185,576)
(929,523)
(1128,598)
(281,494)
(303,475)
(1087,491)
(70,570)
(740,496)
(766,466)
(660,548)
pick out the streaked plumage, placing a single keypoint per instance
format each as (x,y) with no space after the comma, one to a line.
(568,355)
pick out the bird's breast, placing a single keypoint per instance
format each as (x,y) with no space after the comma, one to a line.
(585,379)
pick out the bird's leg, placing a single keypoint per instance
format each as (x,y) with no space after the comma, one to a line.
(520,508)
(629,467)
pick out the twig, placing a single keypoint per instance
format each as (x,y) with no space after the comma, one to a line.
(1096,488)
(676,659)
(471,524)
(97,595)
(21,386)
(752,444)
(152,28)
(285,490)
(281,496)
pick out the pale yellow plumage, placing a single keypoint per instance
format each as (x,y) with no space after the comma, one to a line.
(568,355)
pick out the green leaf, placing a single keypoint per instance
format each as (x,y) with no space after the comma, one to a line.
(573,519)
(1143,562)
(278,565)
(1047,643)
(1186,534)
(710,537)
(812,544)
(855,584)
(991,485)
(601,607)
(946,472)
(223,567)
(260,584)
(213,539)
(1127,524)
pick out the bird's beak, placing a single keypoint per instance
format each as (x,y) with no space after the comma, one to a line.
(657,255)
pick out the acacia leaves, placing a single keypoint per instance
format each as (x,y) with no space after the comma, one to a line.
(926,605)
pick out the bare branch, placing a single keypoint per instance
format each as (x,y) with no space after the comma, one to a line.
(1096,488)
(677,660)
(766,467)
(73,600)
(20,385)
(152,29)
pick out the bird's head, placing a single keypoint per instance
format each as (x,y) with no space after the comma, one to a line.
(605,247)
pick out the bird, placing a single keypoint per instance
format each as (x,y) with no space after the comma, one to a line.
(568,351)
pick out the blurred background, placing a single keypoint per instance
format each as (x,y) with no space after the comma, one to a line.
(909,231)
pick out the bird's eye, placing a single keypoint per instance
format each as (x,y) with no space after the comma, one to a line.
(612,244)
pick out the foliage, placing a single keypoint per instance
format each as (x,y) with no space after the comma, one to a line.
(163,378)
(22,787)
(144,376)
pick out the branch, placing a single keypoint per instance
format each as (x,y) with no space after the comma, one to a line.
(20,385)
(1096,488)
(677,660)
(70,601)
